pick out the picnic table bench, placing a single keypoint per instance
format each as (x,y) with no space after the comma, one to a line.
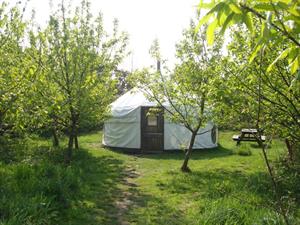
(249,135)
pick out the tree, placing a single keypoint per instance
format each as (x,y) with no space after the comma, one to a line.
(78,58)
(15,71)
(264,97)
(274,26)
(271,80)
(279,25)
(122,84)
(188,104)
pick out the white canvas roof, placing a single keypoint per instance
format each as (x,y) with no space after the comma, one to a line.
(129,102)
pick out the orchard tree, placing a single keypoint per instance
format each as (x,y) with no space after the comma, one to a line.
(271,73)
(275,28)
(78,60)
(266,99)
(238,91)
(186,90)
(279,24)
(19,73)
(279,103)
(15,70)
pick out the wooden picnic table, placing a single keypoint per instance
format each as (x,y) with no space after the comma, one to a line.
(249,135)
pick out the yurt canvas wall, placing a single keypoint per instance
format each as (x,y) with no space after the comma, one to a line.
(126,127)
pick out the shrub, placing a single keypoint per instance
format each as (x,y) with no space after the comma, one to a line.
(38,210)
(35,187)
(243,150)
(232,211)
(12,150)
(288,178)
(221,212)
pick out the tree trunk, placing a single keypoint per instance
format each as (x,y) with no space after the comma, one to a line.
(281,208)
(69,152)
(289,145)
(55,137)
(75,123)
(72,136)
(76,142)
(184,167)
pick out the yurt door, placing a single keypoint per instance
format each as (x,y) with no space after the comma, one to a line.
(152,129)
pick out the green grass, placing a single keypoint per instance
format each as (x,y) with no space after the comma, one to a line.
(224,187)
(219,177)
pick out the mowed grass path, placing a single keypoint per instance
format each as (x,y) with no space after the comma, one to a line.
(223,188)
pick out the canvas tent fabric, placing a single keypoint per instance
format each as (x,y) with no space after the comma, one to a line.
(123,129)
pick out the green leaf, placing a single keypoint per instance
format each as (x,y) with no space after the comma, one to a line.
(281,56)
(203,21)
(223,14)
(294,11)
(285,1)
(269,17)
(283,5)
(210,35)
(238,18)
(263,7)
(203,5)
(255,51)
(217,8)
(298,76)
(235,8)
(226,23)
(295,65)
(265,32)
(248,20)
(292,54)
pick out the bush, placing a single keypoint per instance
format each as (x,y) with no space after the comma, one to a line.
(218,213)
(243,150)
(235,212)
(288,178)
(35,186)
(35,210)
(12,150)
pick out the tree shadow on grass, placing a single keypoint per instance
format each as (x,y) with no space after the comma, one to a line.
(43,188)
(149,209)
(236,190)
(197,154)
(222,191)
(220,183)
(99,178)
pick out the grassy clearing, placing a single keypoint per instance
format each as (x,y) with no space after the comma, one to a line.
(225,187)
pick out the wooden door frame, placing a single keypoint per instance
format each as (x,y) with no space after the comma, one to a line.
(141,125)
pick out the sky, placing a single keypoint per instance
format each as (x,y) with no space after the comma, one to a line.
(143,20)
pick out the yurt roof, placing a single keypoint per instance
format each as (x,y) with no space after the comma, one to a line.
(130,101)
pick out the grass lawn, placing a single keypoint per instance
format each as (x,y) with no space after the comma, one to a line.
(224,187)
(103,186)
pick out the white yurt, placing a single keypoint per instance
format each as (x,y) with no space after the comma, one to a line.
(132,127)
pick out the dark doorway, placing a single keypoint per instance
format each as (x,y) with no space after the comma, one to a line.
(152,129)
